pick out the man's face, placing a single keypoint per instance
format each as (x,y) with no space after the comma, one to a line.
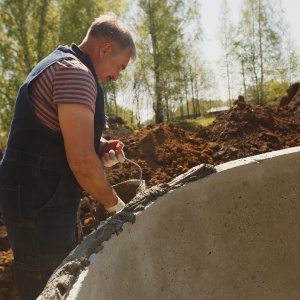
(110,65)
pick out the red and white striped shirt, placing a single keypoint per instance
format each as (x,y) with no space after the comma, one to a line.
(66,81)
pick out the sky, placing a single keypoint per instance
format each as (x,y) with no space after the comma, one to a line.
(210,14)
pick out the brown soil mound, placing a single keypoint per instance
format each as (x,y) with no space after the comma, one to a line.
(116,128)
(166,151)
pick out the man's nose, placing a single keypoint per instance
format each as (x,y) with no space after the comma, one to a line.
(116,76)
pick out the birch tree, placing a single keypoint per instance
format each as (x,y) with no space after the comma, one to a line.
(260,42)
(160,27)
(226,36)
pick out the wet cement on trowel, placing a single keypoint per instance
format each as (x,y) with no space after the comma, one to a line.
(62,280)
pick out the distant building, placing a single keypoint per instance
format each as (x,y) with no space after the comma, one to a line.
(217,110)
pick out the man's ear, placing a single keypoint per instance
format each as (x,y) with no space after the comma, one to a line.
(104,49)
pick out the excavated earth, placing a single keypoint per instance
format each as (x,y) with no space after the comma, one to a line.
(166,151)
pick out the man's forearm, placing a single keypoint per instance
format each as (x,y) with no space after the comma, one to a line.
(91,177)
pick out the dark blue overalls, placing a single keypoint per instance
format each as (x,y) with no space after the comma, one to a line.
(39,194)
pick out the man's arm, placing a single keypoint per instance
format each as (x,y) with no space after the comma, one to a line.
(77,126)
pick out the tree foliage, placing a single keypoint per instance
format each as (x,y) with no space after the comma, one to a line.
(170,75)
(21,47)
(259,48)
(30,29)
(160,27)
(226,36)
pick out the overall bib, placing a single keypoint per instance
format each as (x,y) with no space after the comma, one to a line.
(39,195)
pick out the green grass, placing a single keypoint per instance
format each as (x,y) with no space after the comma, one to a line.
(206,121)
(190,124)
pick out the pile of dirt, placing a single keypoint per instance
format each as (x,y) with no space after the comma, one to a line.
(166,151)
(115,128)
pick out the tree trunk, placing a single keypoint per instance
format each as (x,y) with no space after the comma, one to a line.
(261,98)
(159,113)
(193,99)
(244,81)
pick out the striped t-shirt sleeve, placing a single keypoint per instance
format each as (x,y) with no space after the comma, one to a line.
(67,81)
(73,83)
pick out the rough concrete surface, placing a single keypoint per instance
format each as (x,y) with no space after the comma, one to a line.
(230,235)
(66,274)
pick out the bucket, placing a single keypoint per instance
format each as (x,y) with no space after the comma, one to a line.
(128,189)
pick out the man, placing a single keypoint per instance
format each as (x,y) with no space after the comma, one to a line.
(53,149)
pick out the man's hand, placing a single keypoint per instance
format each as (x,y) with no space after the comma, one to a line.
(111,153)
(116,208)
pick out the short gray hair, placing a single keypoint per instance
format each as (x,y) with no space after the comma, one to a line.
(109,27)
